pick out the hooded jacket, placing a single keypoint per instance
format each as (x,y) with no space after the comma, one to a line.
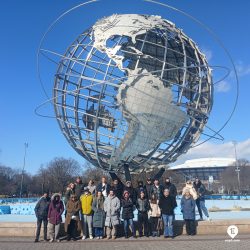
(56,209)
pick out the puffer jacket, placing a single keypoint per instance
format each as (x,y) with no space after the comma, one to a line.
(56,209)
(86,203)
(127,209)
(112,209)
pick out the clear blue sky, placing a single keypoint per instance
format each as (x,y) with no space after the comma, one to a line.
(22,24)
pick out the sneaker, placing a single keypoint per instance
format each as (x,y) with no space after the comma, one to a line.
(113,237)
(91,237)
(83,237)
(172,237)
(58,240)
(108,237)
(201,219)
(208,219)
(51,240)
(166,236)
(36,240)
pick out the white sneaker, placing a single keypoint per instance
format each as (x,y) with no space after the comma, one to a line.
(51,240)
(208,219)
(91,237)
(83,237)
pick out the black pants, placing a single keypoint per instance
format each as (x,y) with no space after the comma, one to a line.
(38,229)
(143,223)
(190,227)
(154,223)
(72,229)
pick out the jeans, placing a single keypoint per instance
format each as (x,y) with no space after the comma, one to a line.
(168,224)
(126,224)
(38,229)
(98,232)
(87,224)
(201,207)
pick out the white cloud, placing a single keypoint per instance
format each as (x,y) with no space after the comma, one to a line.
(242,69)
(209,149)
(223,86)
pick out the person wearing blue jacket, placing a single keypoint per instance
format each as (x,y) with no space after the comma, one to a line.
(188,209)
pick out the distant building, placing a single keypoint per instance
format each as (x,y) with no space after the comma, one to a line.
(204,168)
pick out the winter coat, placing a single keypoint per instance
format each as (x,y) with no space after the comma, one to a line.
(79,189)
(42,208)
(191,190)
(172,189)
(104,189)
(118,190)
(127,209)
(148,189)
(167,205)
(86,203)
(112,210)
(73,209)
(68,193)
(157,191)
(200,189)
(142,205)
(188,208)
(139,189)
(99,214)
(132,193)
(56,209)
(155,210)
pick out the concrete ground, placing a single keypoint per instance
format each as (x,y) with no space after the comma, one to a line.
(199,242)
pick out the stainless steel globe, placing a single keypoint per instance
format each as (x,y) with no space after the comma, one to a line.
(132,89)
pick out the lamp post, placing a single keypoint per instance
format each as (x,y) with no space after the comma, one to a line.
(237,169)
(24,161)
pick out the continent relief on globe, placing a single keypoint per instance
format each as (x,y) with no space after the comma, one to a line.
(143,99)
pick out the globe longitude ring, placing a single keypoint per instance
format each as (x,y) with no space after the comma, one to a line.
(132,89)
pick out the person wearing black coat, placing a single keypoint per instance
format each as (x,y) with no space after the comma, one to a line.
(79,187)
(171,187)
(200,201)
(41,211)
(148,187)
(141,188)
(118,188)
(131,190)
(167,205)
(127,213)
(157,189)
(143,206)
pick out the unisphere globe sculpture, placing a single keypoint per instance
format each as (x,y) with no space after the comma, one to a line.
(132,89)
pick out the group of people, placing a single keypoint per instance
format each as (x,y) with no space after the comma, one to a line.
(97,211)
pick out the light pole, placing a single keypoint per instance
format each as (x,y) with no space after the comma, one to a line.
(24,161)
(237,169)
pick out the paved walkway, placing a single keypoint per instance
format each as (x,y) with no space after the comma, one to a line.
(242,242)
